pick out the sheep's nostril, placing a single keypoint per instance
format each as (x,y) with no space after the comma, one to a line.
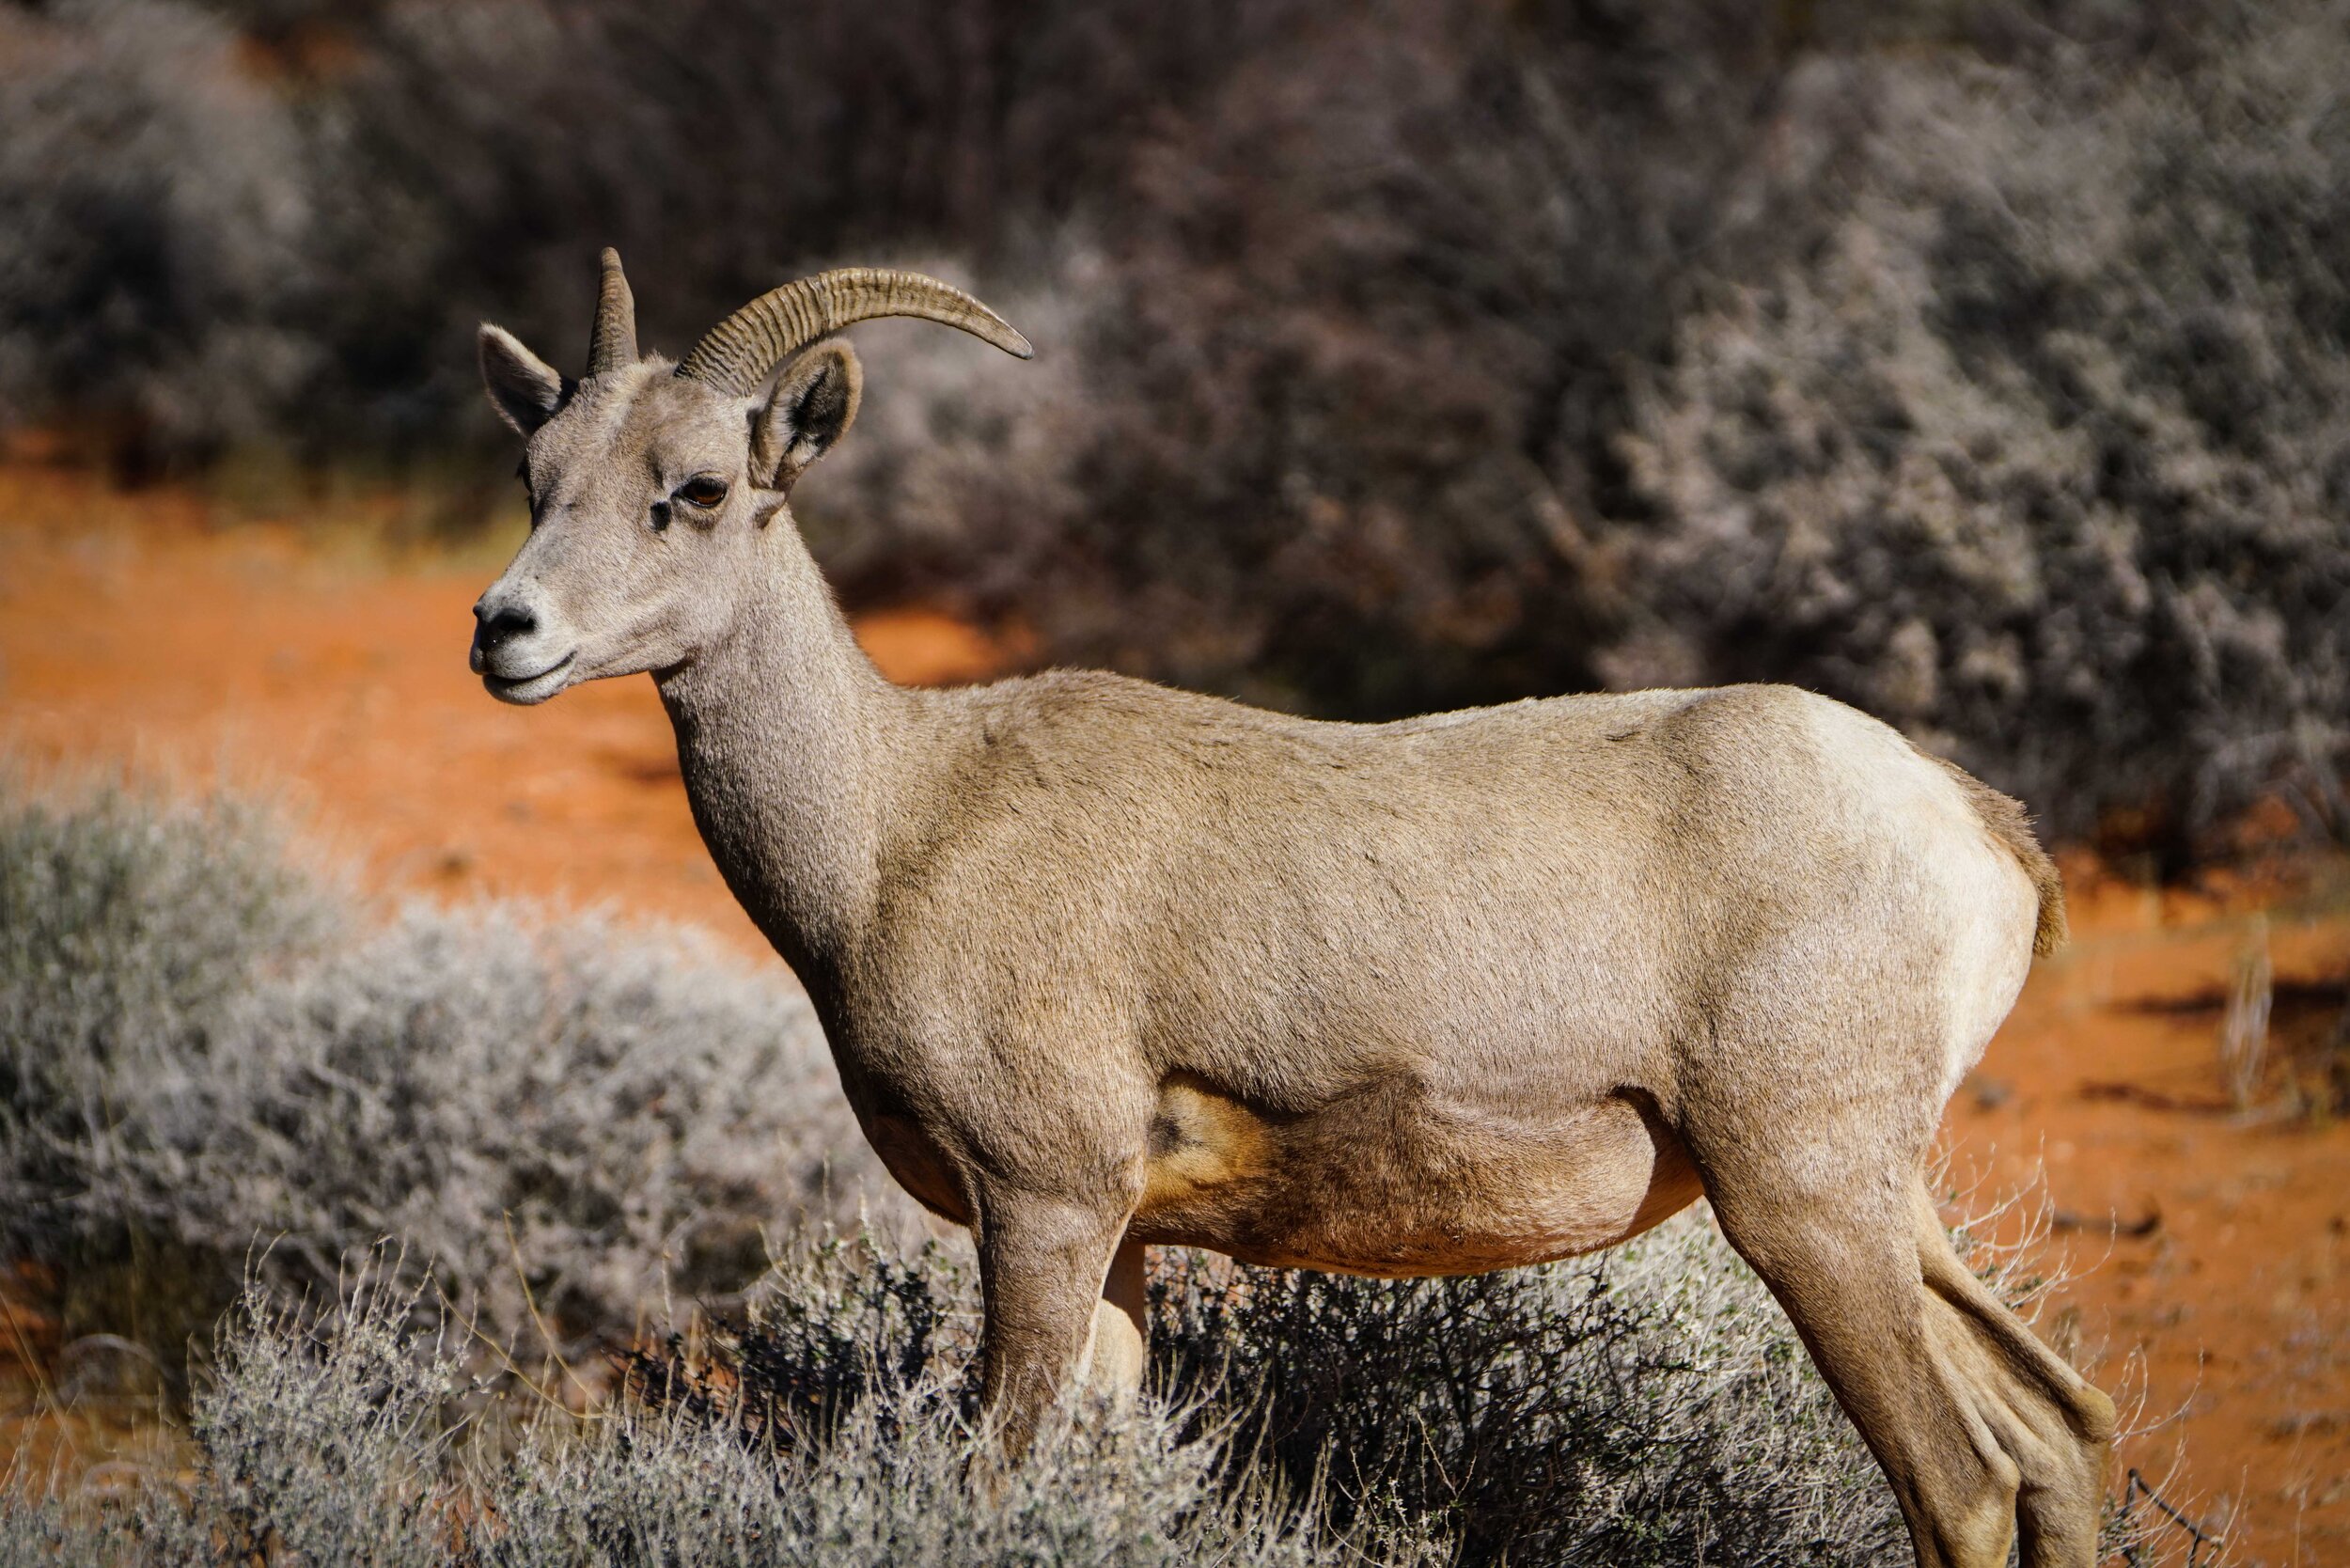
(504,624)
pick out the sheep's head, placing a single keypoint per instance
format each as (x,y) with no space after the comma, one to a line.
(648,481)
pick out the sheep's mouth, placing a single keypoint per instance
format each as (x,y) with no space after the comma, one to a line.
(527,689)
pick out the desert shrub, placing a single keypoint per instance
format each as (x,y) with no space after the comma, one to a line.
(1978,360)
(1983,365)
(1650,1409)
(158,201)
(2044,454)
(327,1438)
(369,180)
(132,935)
(838,1323)
(1649,1405)
(322,1438)
(208,1056)
(1344,327)
(320,1434)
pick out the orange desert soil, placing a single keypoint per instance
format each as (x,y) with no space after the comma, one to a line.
(2212,1246)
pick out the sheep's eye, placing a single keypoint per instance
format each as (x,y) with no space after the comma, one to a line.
(702,490)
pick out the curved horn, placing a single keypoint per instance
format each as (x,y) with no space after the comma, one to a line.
(612,344)
(741,351)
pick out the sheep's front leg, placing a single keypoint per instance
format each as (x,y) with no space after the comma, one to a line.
(1060,1288)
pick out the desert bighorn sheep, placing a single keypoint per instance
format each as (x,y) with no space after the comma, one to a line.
(1105,964)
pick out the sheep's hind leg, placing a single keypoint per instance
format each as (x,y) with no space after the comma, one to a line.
(1839,1250)
(2048,1418)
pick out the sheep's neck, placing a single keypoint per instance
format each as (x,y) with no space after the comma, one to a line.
(793,748)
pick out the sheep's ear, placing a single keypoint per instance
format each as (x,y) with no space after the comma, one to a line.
(523,388)
(814,404)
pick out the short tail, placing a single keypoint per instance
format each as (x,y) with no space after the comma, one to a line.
(2010,824)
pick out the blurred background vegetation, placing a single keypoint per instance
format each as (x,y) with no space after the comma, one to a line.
(1978,361)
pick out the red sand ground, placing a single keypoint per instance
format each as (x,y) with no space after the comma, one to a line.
(2217,1245)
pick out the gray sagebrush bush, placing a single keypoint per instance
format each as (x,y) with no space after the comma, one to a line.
(390,171)
(1651,1409)
(208,1056)
(1981,361)
(159,206)
(2045,454)
(894,1485)
(325,1438)
(132,934)
(835,1425)
(321,1437)
(1983,365)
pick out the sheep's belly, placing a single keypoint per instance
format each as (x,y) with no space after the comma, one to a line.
(1390,1181)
